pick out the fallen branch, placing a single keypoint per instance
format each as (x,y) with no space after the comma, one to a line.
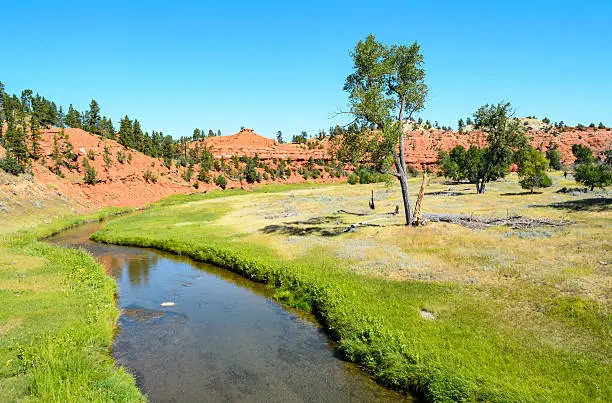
(352,213)
(514,222)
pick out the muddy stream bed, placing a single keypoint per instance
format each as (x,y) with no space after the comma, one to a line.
(224,339)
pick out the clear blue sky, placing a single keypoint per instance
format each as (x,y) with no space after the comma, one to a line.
(282,65)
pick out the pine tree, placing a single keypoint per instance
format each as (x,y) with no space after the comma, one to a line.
(57,156)
(35,137)
(93,118)
(73,118)
(137,135)
(126,133)
(107,158)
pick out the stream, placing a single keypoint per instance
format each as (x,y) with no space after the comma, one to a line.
(224,339)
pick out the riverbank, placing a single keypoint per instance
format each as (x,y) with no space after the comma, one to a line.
(57,320)
(449,312)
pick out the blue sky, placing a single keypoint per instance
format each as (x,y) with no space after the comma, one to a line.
(281,65)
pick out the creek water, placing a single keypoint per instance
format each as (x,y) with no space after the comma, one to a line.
(224,339)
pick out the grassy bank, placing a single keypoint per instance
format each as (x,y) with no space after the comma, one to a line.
(57,320)
(504,329)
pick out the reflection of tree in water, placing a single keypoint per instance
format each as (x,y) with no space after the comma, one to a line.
(138,268)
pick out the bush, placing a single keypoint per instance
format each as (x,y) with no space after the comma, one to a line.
(121,156)
(250,172)
(91,154)
(188,174)
(370,175)
(221,181)
(554,158)
(10,165)
(149,176)
(353,179)
(91,176)
(196,185)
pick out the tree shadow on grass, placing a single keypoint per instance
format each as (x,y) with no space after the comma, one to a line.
(312,226)
(521,193)
(593,204)
(288,229)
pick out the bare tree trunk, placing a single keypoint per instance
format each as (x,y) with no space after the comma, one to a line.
(417,208)
(403,179)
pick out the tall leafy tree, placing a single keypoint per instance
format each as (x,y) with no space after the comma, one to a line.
(387,87)
(532,170)
(504,135)
(583,154)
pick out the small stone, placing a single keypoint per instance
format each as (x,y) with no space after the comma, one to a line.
(167,304)
(427,315)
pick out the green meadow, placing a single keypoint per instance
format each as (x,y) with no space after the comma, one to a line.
(57,321)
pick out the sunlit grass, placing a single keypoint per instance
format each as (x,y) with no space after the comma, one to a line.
(57,320)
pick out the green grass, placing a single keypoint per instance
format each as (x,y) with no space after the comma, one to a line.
(510,336)
(57,321)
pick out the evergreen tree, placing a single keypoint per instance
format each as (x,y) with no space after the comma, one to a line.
(211,133)
(93,118)
(73,118)
(219,132)
(91,176)
(35,137)
(126,133)
(138,136)
(57,156)
(279,137)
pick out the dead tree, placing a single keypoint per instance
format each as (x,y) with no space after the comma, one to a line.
(417,207)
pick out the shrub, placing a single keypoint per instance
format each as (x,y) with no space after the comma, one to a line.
(370,175)
(91,154)
(121,156)
(91,176)
(554,158)
(196,185)
(353,179)
(188,174)
(149,176)
(221,181)
(250,172)
(10,165)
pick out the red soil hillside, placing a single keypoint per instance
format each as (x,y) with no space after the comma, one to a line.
(248,143)
(123,184)
(422,146)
